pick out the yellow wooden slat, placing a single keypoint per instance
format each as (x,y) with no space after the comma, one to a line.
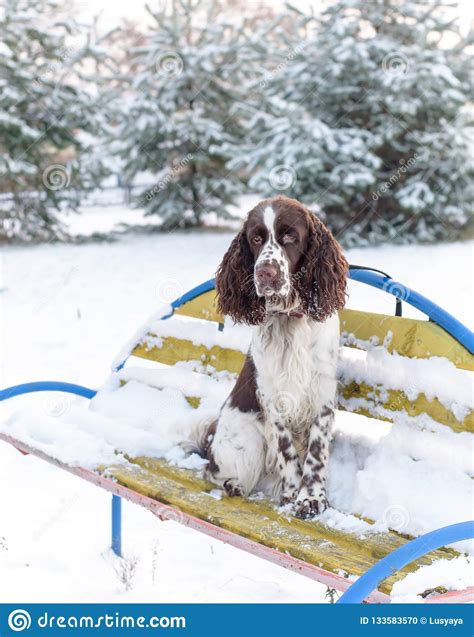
(202,307)
(392,401)
(409,337)
(334,550)
(174,350)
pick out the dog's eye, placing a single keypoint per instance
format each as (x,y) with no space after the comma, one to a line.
(288,238)
(257,240)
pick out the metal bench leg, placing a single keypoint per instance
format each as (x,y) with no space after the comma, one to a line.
(117,525)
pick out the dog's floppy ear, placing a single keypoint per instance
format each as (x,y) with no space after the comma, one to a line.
(236,295)
(322,284)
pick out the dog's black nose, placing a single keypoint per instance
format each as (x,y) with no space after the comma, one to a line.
(266,273)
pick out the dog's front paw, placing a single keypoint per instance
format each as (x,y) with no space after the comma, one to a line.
(288,497)
(290,487)
(309,506)
(233,488)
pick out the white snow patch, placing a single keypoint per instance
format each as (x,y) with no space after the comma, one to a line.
(456,574)
(129,346)
(133,419)
(404,479)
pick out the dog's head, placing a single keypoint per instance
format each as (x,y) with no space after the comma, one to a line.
(283,259)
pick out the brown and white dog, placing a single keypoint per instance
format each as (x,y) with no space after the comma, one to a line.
(285,274)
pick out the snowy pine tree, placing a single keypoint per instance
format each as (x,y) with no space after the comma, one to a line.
(178,124)
(370,112)
(46,119)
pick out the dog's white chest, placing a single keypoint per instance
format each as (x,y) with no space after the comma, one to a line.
(294,360)
(282,352)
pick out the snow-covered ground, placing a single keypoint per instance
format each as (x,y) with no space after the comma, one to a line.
(65,312)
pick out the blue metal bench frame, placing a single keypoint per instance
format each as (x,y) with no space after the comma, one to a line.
(392,562)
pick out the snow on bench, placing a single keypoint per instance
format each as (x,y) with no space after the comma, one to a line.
(129,441)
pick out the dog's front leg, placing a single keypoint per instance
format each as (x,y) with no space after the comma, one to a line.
(311,498)
(288,463)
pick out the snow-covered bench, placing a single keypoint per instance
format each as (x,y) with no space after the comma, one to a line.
(410,372)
